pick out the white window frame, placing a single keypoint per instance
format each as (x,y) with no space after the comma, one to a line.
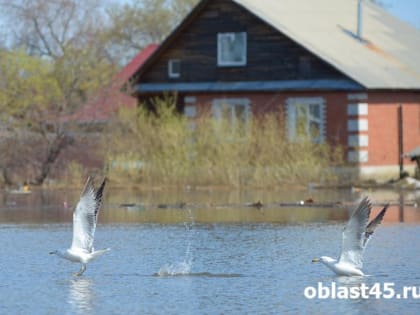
(190,111)
(221,38)
(357,109)
(358,140)
(361,156)
(357,125)
(171,73)
(232,104)
(292,104)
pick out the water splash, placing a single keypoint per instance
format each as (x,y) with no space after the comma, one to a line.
(183,267)
(176,269)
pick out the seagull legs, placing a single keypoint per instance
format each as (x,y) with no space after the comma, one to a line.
(81,271)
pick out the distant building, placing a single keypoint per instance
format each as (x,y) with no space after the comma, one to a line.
(98,112)
(110,98)
(332,66)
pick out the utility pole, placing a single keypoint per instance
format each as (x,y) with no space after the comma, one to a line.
(400,140)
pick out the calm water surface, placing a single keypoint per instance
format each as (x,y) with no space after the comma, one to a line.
(185,266)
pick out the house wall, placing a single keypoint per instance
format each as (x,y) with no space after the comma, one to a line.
(276,103)
(383,149)
(364,123)
(270,55)
(374,114)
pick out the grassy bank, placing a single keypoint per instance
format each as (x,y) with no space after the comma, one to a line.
(167,149)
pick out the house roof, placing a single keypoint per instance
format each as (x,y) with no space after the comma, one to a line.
(249,86)
(386,58)
(110,98)
(136,62)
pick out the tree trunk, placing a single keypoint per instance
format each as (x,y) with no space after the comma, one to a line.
(6,178)
(54,151)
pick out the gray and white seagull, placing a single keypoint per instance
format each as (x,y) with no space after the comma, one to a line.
(85,217)
(355,238)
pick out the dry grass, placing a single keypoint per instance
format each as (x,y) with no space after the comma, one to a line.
(162,149)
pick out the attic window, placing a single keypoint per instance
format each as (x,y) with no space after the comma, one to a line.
(174,68)
(231,49)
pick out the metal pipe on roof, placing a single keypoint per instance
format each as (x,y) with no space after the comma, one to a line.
(359,19)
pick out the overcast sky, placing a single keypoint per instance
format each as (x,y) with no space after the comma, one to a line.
(406,10)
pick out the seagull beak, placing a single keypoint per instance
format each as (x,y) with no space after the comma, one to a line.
(315,260)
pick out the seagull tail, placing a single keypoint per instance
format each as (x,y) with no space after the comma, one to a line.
(98,253)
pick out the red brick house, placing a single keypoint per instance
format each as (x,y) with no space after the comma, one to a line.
(110,98)
(98,112)
(341,67)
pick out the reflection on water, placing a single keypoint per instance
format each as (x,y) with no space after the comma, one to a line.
(237,269)
(350,281)
(168,207)
(81,295)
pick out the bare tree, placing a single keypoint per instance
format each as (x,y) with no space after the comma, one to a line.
(135,25)
(60,63)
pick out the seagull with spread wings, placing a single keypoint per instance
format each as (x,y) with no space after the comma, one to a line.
(355,238)
(85,217)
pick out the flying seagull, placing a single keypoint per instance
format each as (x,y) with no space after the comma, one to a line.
(85,216)
(356,235)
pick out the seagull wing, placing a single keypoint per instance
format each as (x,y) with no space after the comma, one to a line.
(85,216)
(374,224)
(354,235)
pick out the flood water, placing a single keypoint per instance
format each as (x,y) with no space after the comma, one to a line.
(199,252)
